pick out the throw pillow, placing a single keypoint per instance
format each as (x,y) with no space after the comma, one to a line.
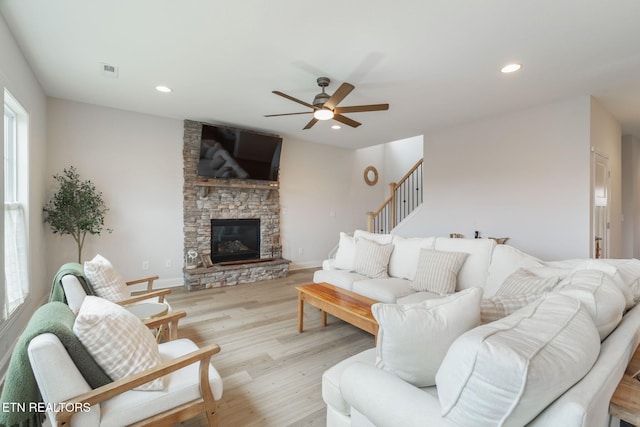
(524,282)
(437,271)
(372,259)
(107,283)
(522,363)
(414,338)
(346,253)
(499,306)
(117,340)
(599,295)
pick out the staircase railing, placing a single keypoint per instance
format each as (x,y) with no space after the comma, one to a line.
(405,196)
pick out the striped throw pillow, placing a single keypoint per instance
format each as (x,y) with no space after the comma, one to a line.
(372,259)
(107,283)
(117,340)
(437,271)
(497,307)
(524,282)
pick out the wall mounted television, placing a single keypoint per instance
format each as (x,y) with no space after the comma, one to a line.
(227,152)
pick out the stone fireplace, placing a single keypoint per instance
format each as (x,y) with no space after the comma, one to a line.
(235,203)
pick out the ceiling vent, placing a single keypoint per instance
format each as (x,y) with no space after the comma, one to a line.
(109,70)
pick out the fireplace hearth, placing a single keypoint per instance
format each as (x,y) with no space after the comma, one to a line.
(235,239)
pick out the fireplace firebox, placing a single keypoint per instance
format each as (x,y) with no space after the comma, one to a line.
(235,239)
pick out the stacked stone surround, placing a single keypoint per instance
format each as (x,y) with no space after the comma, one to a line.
(228,199)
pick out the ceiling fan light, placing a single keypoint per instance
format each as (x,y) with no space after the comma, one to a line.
(323,114)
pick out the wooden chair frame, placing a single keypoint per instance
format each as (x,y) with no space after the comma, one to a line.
(204,404)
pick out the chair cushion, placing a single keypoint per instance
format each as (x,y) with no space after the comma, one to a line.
(372,259)
(181,386)
(106,281)
(118,341)
(437,271)
(523,362)
(414,338)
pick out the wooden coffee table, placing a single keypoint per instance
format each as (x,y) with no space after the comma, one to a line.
(348,306)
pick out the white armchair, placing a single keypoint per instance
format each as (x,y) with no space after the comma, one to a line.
(191,385)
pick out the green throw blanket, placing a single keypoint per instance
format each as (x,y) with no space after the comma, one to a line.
(20,387)
(73,268)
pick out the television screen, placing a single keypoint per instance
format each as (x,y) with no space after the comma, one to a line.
(235,153)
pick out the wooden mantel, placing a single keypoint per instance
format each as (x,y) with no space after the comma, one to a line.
(231,184)
(203,185)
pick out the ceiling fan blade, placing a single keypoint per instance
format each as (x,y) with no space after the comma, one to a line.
(340,94)
(291,98)
(311,123)
(346,120)
(361,108)
(288,114)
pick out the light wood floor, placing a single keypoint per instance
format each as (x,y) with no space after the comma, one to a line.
(271,373)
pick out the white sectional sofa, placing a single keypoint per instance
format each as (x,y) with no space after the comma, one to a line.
(554,360)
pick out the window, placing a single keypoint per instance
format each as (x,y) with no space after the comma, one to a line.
(16,282)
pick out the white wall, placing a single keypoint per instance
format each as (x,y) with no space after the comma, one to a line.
(135,160)
(399,157)
(17,77)
(316,198)
(524,175)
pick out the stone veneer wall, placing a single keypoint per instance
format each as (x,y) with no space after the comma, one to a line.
(229,199)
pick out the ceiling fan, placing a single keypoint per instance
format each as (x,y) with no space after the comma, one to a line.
(325,106)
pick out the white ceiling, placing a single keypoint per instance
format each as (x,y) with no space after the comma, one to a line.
(436,62)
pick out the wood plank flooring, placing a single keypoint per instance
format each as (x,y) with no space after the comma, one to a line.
(271,373)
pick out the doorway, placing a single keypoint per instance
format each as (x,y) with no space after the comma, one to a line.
(600,205)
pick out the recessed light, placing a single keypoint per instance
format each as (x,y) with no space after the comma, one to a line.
(335,127)
(510,68)
(163,89)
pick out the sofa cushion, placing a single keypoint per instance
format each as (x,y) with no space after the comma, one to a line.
(105,279)
(384,290)
(416,297)
(340,278)
(524,282)
(523,362)
(118,341)
(612,271)
(414,338)
(476,267)
(404,258)
(499,306)
(346,253)
(383,239)
(504,261)
(602,299)
(372,259)
(437,271)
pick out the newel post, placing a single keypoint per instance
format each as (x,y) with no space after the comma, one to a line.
(370,222)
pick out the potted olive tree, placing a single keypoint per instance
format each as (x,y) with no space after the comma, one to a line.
(77,208)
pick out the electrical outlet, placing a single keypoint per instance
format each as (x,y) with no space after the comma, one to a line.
(300,251)
(145,265)
(167,263)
